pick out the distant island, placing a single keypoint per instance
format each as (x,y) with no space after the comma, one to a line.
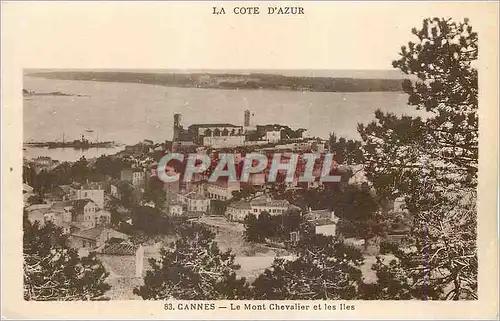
(232,81)
(53,93)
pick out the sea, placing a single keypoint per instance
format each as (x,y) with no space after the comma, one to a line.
(128,113)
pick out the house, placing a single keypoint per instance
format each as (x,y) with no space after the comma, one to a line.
(320,214)
(122,259)
(103,218)
(92,191)
(59,213)
(175,208)
(64,210)
(221,190)
(266,204)
(273,136)
(294,236)
(322,221)
(94,237)
(138,177)
(324,226)
(115,192)
(126,174)
(65,227)
(85,212)
(42,215)
(238,211)
(194,202)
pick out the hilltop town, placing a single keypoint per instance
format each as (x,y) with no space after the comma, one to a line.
(193,216)
(116,207)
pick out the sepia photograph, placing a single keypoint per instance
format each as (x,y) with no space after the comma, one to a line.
(268,187)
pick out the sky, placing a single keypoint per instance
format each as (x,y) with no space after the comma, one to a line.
(331,35)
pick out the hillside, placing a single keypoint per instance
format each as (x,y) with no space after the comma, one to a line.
(232,81)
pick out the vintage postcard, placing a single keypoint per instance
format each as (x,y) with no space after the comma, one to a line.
(249,160)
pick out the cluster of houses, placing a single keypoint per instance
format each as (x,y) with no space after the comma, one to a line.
(81,216)
(80,213)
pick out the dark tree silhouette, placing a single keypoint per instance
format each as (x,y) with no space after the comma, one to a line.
(54,271)
(432,162)
(325,269)
(193,269)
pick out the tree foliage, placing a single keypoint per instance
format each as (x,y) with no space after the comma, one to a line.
(359,213)
(432,162)
(193,268)
(345,151)
(154,192)
(272,227)
(325,269)
(54,271)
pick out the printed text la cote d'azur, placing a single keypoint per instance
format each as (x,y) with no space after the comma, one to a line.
(251,10)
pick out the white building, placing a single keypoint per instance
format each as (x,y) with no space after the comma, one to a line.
(224,141)
(194,202)
(85,212)
(323,221)
(87,191)
(237,211)
(222,191)
(273,136)
(115,192)
(266,204)
(138,177)
(217,135)
(175,209)
(321,214)
(325,227)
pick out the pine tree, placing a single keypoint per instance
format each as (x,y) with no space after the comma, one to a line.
(325,269)
(54,271)
(193,268)
(432,163)
(359,213)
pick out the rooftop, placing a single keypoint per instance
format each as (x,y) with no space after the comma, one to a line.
(195,196)
(38,207)
(119,249)
(321,222)
(78,205)
(88,186)
(212,125)
(240,205)
(269,202)
(91,233)
(61,205)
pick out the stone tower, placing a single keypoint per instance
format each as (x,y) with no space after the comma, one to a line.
(177,127)
(247,118)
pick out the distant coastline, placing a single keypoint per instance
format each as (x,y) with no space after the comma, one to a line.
(53,93)
(232,81)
